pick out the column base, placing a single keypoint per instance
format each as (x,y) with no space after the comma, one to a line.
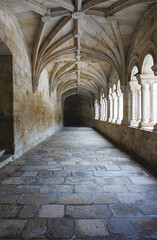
(133,123)
(113,120)
(119,121)
(145,125)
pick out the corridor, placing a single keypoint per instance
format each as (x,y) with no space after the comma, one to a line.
(77,185)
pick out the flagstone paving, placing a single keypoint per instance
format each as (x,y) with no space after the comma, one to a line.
(77,185)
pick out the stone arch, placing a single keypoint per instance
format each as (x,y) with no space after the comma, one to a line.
(134,73)
(147,65)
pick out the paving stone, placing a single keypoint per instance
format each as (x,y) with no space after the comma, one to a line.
(89,188)
(82,180)
(45,174)
(35,228)
(124,210)
(148,208)
(150,187)
(82,174)
(146,226)
(143,180)
(27,189)
(11,228)
(151,196)
(130,197)
(8,198)
(28,211)
(104,198)
(37,199)
(91,227)
(6,188)
(57,189)
(118,180)
(51,211)
(75,199)
(61,227)
(14,180)
(7,211)
(121,227)
(114,188)
(88,211)
(17,173)
(135,188)
(30,174)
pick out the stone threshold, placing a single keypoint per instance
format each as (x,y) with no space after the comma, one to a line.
(5,159)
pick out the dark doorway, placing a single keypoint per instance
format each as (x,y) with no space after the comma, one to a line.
(6,100)
(78,111)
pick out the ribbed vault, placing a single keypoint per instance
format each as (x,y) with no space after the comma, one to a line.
(78,42)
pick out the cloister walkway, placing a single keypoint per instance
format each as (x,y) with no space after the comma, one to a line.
(77,185)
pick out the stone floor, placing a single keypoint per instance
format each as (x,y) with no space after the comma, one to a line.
(77,185)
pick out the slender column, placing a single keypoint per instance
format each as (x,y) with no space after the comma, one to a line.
(152,105)
(111,108)
(96,110)
(115,103)
(139,104)
(105,110)
(133,121)
(101,110)
(144,121)
(120,108)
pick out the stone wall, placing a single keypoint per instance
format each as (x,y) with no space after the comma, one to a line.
(78,111)
(6,104)
(35,116)
(141,142)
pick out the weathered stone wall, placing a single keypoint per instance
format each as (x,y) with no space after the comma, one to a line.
(141,142)
(6,104)
(78,111)
(35,117)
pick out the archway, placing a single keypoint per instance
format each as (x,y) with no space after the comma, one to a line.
(6,100)
(78,111)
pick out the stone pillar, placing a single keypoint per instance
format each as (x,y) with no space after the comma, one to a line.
(120,107)
(134,103)
(115,107)
(101,110)
(96,110)
(106,110)
(139,104)
(152,105)
(144,117)
(111,108)
(133,121)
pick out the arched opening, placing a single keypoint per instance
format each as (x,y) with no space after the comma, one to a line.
(78,111)
(135,90)
(149,93)
(6,100)
(147,65)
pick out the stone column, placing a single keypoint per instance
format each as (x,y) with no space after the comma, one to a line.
(106,110)
(120,107)
(144,120)
(101,110)
(111,108)
(133,121)
(115,107)
(152,105)
(139,104)
(134,114)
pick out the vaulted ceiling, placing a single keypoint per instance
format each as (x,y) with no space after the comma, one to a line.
(79,42)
